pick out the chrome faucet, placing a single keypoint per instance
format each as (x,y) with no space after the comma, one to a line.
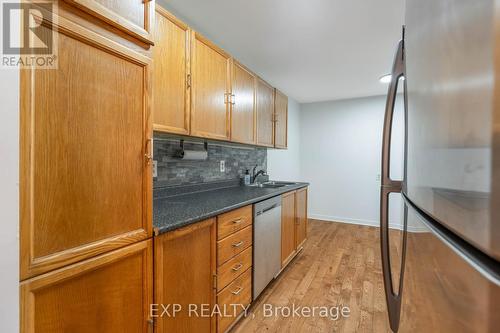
(255,175)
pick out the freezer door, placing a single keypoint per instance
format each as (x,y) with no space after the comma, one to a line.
(447,287)
(453,160)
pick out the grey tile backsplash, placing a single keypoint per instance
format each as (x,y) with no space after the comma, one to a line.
(172,171)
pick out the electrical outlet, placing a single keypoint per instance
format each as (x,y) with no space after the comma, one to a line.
(155,169)
(222,166)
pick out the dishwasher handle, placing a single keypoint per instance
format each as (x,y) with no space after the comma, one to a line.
(265,210)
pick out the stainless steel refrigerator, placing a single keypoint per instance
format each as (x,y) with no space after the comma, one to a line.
(442,272)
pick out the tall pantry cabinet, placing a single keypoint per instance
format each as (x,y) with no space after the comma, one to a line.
(85,177)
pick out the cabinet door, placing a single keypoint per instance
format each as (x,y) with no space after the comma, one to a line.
(108,293)
(210,90)
(85,177)
(171,74)
(243,105)
(265,114)
(287,227)
(281,120)
(301,218)
(130,16)
(185,274)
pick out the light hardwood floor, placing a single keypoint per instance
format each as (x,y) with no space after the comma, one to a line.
(340,265)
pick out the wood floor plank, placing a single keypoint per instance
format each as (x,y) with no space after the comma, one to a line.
(339,266)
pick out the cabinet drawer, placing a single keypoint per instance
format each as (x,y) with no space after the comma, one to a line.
(233,221)
(238,292)
(233,268)
(233,244)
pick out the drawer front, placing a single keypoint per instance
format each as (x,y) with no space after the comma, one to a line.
(233,268)
(233,245)
(238,292)
(233,221)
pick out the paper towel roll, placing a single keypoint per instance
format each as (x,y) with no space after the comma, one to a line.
(194,155)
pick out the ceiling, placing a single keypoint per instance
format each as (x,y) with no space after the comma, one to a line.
(312,50)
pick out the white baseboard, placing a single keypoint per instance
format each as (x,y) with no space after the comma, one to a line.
(371,223)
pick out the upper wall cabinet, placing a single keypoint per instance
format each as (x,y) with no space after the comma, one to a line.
(210,89)
(265,114)
(243,110)
(280,120)
(200,90)
(134,17)
(171,74)
(85,149)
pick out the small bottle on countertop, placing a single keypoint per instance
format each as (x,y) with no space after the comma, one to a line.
(246,177)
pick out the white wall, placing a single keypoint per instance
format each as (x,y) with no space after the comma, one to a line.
(340,150)
(284,164)
(9,194)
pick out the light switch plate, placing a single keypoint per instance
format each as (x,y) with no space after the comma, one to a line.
(155,169)
(222,166)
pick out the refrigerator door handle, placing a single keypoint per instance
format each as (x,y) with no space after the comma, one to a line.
(389,186)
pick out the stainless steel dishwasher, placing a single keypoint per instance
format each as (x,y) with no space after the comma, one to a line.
(267,243)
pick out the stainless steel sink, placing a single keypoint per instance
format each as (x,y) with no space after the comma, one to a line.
(272,184)
(280,183)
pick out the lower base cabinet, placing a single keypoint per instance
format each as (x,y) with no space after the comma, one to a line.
(288,220)
(185,268)
(293,224)
(234,265)
(107,293)
(300,217)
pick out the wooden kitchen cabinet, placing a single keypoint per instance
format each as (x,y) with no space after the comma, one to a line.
(108,293)
(210,89)
(265,114)
(293,224)
(280,120)
(134,18)
(185,273)
(85,172)
(171,75)
(301,217)
(243,108)
(288,222)
(234,265)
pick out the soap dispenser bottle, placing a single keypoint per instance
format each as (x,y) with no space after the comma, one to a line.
(246,177)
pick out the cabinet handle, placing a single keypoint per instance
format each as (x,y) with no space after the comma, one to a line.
(237,291)
(237,221)
(237,267)
(233,98)
(151,324)
(240,243)
(149,154)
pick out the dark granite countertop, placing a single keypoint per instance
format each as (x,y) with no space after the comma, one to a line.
(171,212)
